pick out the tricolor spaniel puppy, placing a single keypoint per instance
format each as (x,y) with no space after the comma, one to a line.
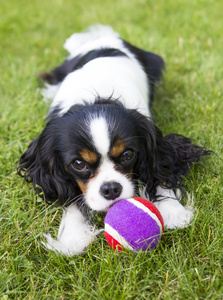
(100,143)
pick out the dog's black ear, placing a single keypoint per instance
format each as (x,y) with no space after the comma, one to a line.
(164,160)
(41,165)
(145,165)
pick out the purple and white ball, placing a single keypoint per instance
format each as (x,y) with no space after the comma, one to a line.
(133,224)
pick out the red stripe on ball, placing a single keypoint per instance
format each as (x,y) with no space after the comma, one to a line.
(152,208)
(113,243)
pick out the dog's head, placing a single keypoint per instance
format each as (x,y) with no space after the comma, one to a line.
(102,151)
(93,150)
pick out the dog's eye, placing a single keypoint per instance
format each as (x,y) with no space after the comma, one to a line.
(127,156)
(79,165)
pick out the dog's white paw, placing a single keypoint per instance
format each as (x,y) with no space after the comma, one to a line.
(180,218)
(72,245)
(174,214)
(74,234)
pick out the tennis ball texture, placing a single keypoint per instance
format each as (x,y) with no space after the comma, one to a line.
(133,224)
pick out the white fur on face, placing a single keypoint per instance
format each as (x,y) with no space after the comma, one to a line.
(106,171)
(100,135)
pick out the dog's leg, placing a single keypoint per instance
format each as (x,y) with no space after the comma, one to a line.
(174,214)
(74,234)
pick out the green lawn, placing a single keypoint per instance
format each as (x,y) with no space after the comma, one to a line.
(188,263)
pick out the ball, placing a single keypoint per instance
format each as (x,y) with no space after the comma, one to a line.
(133,224)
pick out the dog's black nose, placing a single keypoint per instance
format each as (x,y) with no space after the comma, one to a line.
(111,190)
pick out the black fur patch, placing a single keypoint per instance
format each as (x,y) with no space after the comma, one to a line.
(69,65)
(152,63)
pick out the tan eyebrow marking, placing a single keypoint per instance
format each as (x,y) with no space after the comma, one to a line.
(82,186)
(89,156)
(118,148)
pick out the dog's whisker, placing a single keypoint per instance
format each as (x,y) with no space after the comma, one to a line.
(75,200)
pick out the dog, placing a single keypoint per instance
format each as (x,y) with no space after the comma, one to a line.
(100,143)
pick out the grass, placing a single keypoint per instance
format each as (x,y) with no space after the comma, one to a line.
(187,264)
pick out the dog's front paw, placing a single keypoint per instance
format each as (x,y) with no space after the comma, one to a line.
(174,214)
(180,218)
(74,234)
(72,244)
